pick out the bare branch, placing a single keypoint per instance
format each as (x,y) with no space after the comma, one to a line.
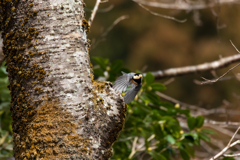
(185,5)
(115,23)
(95,11)
(218,126)
(232,155)
(222,124)
(168,81)
(107,9)
(234,46)
(196,18)
(168,98)
(133,148)
(161,15)
(208,150)
(197,110)
(102,38)
(230,144)
(222,130)
(226,78)
(207,81)
(173,72)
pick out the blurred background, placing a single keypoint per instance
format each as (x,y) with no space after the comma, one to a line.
(147,42)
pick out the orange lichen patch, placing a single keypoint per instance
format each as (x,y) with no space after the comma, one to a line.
(52,126)
(102,86)
(24,73)
(99,87)
(85,25)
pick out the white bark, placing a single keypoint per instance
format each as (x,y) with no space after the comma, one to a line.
(59,111)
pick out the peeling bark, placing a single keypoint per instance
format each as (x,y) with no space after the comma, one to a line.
(58,110)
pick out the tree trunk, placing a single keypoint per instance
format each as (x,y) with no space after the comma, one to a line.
(58,110)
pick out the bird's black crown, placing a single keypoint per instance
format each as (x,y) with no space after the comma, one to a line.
(137,78)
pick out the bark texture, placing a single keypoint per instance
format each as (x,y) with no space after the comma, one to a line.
(58,110)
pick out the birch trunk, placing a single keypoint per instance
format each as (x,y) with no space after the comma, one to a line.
(58,110)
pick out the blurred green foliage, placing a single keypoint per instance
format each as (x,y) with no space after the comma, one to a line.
(112,69)
(6,143)
(152,129)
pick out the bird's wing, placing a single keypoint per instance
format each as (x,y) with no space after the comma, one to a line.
(122,82)
(131,93)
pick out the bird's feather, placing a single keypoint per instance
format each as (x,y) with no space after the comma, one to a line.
(131,93)
(122,82)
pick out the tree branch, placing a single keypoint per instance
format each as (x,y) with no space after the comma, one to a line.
(94,11)
(207,81)
(185,4)
(196,110)
(222,124)
(232,155)
(161,15)
(102,37)
(173,72)
(230,144)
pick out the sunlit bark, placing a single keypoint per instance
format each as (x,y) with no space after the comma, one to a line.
(58,110)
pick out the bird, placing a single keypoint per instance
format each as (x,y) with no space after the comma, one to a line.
(128,79)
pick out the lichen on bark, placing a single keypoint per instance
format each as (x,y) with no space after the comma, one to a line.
(58,110)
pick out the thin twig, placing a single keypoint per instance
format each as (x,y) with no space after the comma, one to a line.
(208,150)
(161,15)
(232,155)
(222,130)
(216,14)
(230,144)
(197,110)
(215,80)
(137,147)
(168,98)
(107,9)
(168,81)
(95,11)
(234,46)
(226,78)
(114,24)
(133,148)
(102,38)
(207,81)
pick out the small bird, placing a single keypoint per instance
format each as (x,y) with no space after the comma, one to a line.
(122,82)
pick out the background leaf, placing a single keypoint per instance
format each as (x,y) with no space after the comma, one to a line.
(199,121)
(149,78)
(101,62)
(158,87)
(191,121)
